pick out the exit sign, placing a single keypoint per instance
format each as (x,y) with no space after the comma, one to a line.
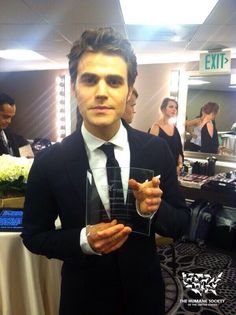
(215,62)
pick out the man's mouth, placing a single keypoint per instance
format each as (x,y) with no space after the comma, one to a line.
(101,108)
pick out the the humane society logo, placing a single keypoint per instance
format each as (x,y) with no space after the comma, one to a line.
(201,283)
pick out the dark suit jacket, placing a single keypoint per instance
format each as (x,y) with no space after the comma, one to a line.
(14,141)
(91,283)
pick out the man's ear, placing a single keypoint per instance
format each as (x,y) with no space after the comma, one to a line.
(130,93)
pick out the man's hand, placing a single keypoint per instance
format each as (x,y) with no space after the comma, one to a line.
(105,238)
(147,194)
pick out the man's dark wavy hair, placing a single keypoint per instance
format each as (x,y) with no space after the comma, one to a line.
(6,99)
(105,40)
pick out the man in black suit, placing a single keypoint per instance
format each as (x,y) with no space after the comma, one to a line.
(9,142)
(128,115)
(107,268)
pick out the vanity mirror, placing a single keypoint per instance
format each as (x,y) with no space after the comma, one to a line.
(221,90)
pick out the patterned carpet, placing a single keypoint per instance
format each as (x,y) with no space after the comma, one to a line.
(205,281)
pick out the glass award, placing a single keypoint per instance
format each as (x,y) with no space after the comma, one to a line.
(109,197)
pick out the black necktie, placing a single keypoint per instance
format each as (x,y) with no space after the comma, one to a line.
(114,182)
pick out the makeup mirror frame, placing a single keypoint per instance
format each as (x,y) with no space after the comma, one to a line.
(183,96)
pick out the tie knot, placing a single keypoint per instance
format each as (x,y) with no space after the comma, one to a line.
(108,149)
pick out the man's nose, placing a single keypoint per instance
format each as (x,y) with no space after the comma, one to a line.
(101,88)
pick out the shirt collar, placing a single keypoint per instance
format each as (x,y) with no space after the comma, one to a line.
(92,142)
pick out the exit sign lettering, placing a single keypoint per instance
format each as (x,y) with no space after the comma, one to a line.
(215,62)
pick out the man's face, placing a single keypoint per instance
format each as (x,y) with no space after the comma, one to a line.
(101,90)
(130,109)
(7,112)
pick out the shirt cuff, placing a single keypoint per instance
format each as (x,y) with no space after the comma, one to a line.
(146,216)
(84,244)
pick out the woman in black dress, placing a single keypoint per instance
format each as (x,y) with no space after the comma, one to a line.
(166,129)
(209,136)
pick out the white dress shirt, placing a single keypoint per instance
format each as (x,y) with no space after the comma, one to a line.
(97,163)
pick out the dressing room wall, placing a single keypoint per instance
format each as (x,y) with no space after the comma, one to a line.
(35,97)
(34,93)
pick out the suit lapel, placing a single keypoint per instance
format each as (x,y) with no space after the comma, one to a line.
(77,166)
(76,163)
(2,148)
(136,146)
(12,142)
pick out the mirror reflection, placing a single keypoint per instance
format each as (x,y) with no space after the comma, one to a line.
(202,119)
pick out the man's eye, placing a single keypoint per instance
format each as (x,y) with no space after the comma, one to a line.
(114,82)
(89,80)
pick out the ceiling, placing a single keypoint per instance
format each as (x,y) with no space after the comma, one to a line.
(215,83)
(50,27)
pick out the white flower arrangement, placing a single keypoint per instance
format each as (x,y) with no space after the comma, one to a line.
(14,173)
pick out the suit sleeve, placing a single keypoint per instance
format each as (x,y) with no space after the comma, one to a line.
(173,216)
(39,233)
(21,141)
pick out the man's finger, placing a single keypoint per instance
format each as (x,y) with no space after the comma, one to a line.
(133,184)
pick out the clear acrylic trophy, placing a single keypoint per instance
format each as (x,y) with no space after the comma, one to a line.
(106,201)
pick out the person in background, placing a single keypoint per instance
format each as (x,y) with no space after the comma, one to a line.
(107,269)
(166,129)
(194,127)
(129,109)
(9,142)
(209,135)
